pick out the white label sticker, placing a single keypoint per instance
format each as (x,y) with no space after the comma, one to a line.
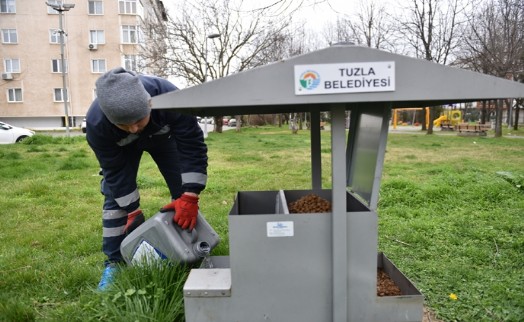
(280,229)
(345,78)
(145,253)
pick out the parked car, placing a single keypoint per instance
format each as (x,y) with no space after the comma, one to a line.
(83,126)
(13,134)
(232,123)
(208,120)
(225,121)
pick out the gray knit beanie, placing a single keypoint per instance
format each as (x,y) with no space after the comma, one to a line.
(122,97)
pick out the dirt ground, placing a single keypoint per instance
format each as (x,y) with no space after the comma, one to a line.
(429,316)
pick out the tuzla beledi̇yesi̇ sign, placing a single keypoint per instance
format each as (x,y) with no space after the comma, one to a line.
(345,78)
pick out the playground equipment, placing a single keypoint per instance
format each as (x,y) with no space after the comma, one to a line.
(396,110)
(448,119)
(310,266)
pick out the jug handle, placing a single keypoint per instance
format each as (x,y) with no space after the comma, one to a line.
(193,233)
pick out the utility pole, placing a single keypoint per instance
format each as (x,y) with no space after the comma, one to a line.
(61,7)
(211,36)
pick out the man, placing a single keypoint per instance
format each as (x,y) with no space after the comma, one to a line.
(120,126)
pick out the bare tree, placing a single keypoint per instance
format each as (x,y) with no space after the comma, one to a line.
(370,26)
(432,29)
(243,36)
(154,50)
(339,31)
(495,46)
(211,39)
(294,41)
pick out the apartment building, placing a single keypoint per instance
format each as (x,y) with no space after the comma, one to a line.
(98,36)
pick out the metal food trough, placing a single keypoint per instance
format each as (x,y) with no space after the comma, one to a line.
(319,267)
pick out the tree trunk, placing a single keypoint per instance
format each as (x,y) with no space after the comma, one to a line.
(483,113)
(509,117)
(239,119)
(293,123)
(498,119)
(517,116)
(424,125)
(219,123)
(431,118)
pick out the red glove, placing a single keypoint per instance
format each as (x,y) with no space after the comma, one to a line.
(186,211)
(134,219)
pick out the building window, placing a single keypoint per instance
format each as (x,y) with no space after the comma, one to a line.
(96,7)
(56,65)
(130,62)
(12,65)
(50,10)
(127,7)
(7,6)
(9,36)
(98,66)
(129,35)
(59,95)
(54,36)
(14,95)
(97,37)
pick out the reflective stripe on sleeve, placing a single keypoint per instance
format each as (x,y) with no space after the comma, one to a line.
(194,177)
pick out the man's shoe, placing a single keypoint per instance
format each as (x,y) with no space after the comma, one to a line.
(107,277)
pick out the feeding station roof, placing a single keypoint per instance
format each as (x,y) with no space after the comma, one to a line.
(275,88)
(364,80)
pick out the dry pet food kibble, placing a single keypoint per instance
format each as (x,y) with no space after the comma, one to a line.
(309,204)
(386,286)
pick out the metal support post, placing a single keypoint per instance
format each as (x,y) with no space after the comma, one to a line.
(316,158)
(339,214)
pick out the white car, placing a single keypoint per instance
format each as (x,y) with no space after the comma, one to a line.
(13,134)
(83,125)
(208,120)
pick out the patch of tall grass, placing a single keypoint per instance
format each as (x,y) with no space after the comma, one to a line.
(148,292)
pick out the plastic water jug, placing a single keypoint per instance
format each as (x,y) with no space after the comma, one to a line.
(160,237)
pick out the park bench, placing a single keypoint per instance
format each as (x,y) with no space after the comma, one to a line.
(447,126)
(472,129)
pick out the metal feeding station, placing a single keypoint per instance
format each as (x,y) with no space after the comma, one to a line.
(318,267)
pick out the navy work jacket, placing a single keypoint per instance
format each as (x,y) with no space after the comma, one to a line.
(118,152)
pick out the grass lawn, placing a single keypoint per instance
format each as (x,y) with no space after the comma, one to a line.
(451,217)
